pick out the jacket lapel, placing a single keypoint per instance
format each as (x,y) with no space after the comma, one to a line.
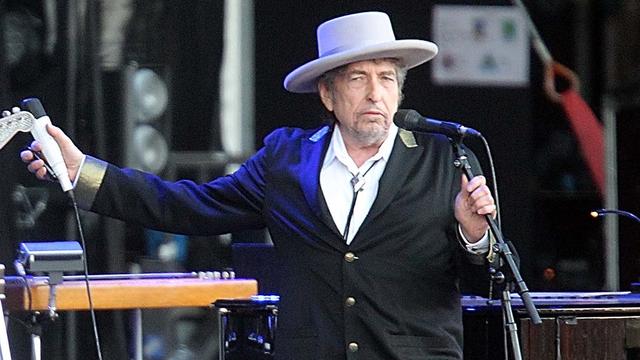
(312,156)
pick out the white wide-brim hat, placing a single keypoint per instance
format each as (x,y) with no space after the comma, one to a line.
(357,37)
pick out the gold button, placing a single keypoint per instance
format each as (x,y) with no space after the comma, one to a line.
(353,346)
(349,257)
(350,301)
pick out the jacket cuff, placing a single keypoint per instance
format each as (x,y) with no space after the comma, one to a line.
(89,181)
(475,252)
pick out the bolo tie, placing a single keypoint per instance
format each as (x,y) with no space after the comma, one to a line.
(357,183)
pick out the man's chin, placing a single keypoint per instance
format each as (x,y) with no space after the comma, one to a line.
(373,136)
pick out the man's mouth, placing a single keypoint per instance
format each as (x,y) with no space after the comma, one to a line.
(373,113)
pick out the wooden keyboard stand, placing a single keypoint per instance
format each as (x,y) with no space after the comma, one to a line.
(118,294)
(121,292)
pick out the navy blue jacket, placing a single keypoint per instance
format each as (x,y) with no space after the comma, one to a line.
(393,292)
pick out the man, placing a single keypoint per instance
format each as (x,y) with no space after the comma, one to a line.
(371,223)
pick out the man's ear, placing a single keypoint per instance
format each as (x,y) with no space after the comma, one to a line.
(325,96)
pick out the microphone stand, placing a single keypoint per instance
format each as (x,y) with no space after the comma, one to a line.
(502,249)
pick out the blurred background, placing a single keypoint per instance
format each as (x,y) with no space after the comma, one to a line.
(188,89)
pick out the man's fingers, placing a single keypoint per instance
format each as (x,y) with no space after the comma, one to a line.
(478,195)
(463,181)
(35,146)
(58,135)
(42,173)
(36,163)
(475,183)
(26,155)
(464,184)
(483,204)
(485,209)
(480,192)
(54,131)
(35,166)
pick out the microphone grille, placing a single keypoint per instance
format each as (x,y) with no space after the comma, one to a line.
(407,118)
(34,106)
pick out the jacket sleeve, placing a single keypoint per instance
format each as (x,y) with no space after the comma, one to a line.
(474,268)
(226,204)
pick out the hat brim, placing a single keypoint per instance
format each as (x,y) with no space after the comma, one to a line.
(410,52)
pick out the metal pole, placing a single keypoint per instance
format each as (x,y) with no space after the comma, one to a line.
(611,252)
(136,328)
(5,353)
(236,80)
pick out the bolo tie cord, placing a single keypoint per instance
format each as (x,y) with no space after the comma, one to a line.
(357,182)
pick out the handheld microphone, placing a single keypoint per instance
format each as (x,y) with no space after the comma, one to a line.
(411,120)
(50,147)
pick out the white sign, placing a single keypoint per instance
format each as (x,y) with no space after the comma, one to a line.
(480,46)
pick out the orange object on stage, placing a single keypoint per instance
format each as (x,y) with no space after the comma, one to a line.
(134,293)
(589,132)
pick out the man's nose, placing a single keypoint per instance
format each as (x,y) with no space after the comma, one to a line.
(375,91)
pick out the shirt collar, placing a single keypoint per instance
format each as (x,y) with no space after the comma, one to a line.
(338,151)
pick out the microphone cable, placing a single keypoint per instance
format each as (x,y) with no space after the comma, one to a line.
(94,322)
(72,196)
(496,197)
(494,179)
(22,274)
(603,212)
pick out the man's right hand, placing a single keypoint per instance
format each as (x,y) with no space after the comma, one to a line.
(73,157)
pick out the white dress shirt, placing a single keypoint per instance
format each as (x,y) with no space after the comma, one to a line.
(335,181)
(338,170)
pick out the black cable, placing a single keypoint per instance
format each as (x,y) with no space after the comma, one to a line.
(72,196)
(496,197)
(494,180)
(94,323)
(603,212)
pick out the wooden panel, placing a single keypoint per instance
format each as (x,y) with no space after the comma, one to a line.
(130,294)
(592,338)
(571,337)
(537,341)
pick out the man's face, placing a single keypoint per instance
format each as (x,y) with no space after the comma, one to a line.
(364,99)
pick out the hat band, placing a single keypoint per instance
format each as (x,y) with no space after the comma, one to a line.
(349,47)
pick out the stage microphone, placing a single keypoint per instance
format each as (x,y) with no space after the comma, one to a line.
(411,120)
(50,147)
(603,212)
